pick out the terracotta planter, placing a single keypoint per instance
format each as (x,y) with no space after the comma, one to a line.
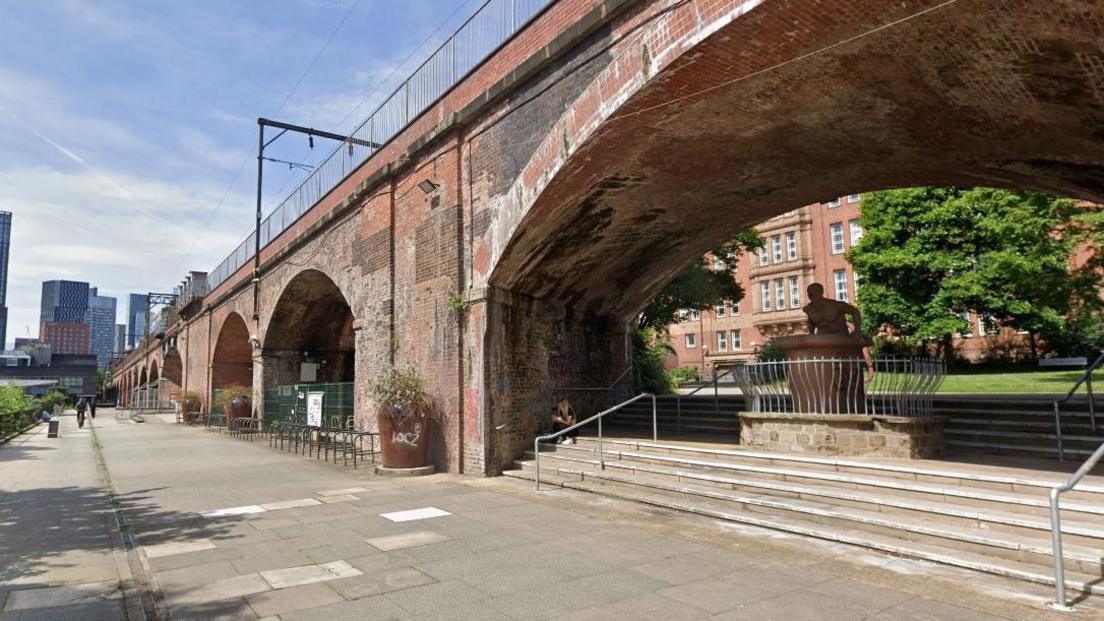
(241,407)
(404,443)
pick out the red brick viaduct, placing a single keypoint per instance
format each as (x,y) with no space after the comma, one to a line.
(602,149)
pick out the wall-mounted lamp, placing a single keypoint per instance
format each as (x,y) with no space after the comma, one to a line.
(427,186)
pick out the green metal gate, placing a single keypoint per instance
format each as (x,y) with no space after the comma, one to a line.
(290,403)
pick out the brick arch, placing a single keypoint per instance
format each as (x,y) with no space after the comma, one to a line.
(688,136)
(312,316)
(172,367)
(232,357)
(155,372)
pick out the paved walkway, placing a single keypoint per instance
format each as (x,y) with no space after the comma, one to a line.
(230,529)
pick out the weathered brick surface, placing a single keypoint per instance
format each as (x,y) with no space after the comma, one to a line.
(570,191)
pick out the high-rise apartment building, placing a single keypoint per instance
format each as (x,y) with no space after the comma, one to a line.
(64,316)
(5,246)
(136,319)
(101,323)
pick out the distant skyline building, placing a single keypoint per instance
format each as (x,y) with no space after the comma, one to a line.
(5,245)
(64,301)
(64,316)
(101,323)
(136,319)
(120,338)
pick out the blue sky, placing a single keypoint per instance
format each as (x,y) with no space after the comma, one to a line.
(124,124)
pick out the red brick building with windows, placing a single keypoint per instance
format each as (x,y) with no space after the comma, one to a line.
(66,337)
(803,246)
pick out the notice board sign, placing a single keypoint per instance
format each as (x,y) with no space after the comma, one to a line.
(314,409)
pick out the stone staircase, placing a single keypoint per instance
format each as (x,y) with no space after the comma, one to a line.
(985,518)
(1019,425)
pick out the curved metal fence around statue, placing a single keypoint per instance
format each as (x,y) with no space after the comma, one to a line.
(896,387)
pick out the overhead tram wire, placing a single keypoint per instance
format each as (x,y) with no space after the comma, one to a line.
(278,194)
(253,153)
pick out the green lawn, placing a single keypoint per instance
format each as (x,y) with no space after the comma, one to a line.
(1029,382)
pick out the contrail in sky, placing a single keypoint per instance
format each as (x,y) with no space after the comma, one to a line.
(69,154)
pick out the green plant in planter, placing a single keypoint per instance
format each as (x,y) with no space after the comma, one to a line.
(190,403)
(233,392)
(405,414)
(401,395)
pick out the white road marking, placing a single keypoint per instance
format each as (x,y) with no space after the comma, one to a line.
(415,514)
(232,511)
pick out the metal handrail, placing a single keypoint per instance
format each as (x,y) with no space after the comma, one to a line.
(716,398)
(1056,527)
(597,417)
(1086,379)
(589,388)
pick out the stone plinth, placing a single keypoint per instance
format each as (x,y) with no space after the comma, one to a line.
(849,435)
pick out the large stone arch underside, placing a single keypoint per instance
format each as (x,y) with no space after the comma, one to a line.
(754,120)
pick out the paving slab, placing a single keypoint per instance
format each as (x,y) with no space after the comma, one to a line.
(436,598)
(380,581)
(51,597)
(283,601)
(338,551)
(83,574)
(407,540)
(647,606)
(345,491)
(217,590)
(177,547)
(377,608)
(290,504)
(307,574)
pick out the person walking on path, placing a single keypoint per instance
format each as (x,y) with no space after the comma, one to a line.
(92,407)
(81,405)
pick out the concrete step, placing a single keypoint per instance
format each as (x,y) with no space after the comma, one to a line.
(1024,486)
(1086,531)
(999,448)
(1043,411)
(1040,438)
(1031,549)
(1081,582)
(1032,425)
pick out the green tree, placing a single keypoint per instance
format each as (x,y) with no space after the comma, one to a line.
(702,285)
(56,396)
(650,351)
(929,255)
(14,399)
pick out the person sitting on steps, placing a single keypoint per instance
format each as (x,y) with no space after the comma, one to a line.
(564,418)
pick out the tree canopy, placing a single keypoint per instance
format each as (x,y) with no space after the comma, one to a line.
(702,285)
(930,255)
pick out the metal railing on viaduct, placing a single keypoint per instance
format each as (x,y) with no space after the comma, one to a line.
(492,25)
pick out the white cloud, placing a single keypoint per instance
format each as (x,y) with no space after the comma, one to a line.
(70,225)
